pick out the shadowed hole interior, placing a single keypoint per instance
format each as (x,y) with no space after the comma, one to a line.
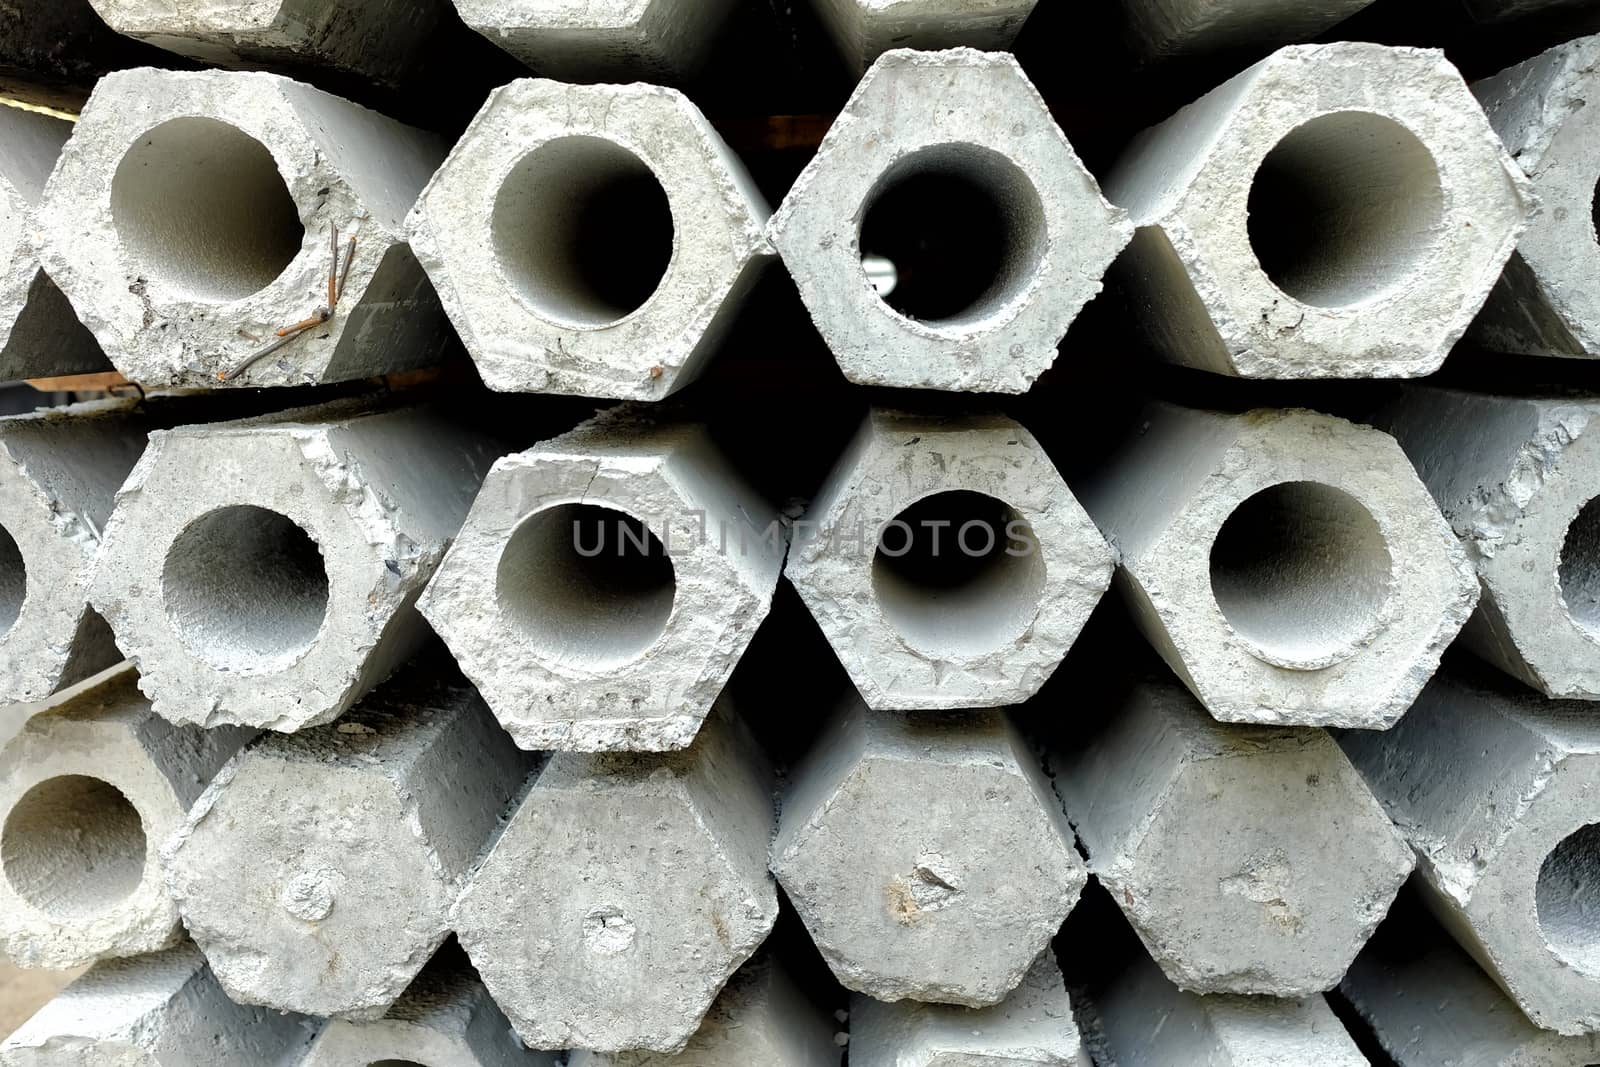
(592,586)
(1567,898)
(583,231)
(201,206)
(1344,208)
(959,573)
(245,587)
(959,227)
(73,846)
(13,580)
(1579,569)
(1301,571)
(395,1063)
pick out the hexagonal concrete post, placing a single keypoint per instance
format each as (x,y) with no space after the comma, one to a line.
(606,583)
(160,1010)
(1188,27)
(1518,478)
(1498,791)
(39,333)
(1544,305)
(1289,566)
(761,1017)
(1248,859)
(89,789)
(318,870)
(947,562)
(625,891)
(926,854)
(865,29)
(190,218)
(1033,1027)
(263,571)
(598,40)
(947,167)
(520,231)
(373,38)
(1294,223)
(59,474)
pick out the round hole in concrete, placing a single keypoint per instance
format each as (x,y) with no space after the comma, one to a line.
(13,581)
(73,846)
(200,206)
(1302,572)
(583,231)
(1345,208)
(961,228)
(1578,569)
(245,588)
(591,586)
(1567,900)
(958,573)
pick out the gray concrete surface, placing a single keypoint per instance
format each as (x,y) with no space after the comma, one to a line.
(865,29)
(603,40)
(1192,27)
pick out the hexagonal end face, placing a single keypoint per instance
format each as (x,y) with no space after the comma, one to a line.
(1264,870)
(950,567)
(591,15)
(567,169)
(1021,233)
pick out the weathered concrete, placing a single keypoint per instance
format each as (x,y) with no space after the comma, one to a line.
(1336,211)
(59,474)
(761,1017)
(1544,304)
(263,571)
(949,166)
(595,40)
(1518,479)
(1498,791)
(1248,859)
(926,854)
(947,562)
(1428,1005)
(39,333)
(161,1010)
(1188,27)
(1289,566)
(318,870)
(625,891)
(190,216)
(606,583)
(1033,1027)
(865,29)
(521,228)
(88,790)
(378,39)
(445,1019)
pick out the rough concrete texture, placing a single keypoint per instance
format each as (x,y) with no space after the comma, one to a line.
(954,146)
(318,870)
(263,571)
(624,891)
(1544,304)
(39,333)
(520,226)
(1519,480)
(88,790)
(1189,27)
(762,1017)
(865,29)
(1033,1027)
(947,562)
(1498,791)
(378,39)
(1289,566)
(1336,211)
(1428,1005)
(1248,859)
(592,40)
(926,854)
(59,475)
(189,218)
(606,583)
(161,1010)
(445,1019)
